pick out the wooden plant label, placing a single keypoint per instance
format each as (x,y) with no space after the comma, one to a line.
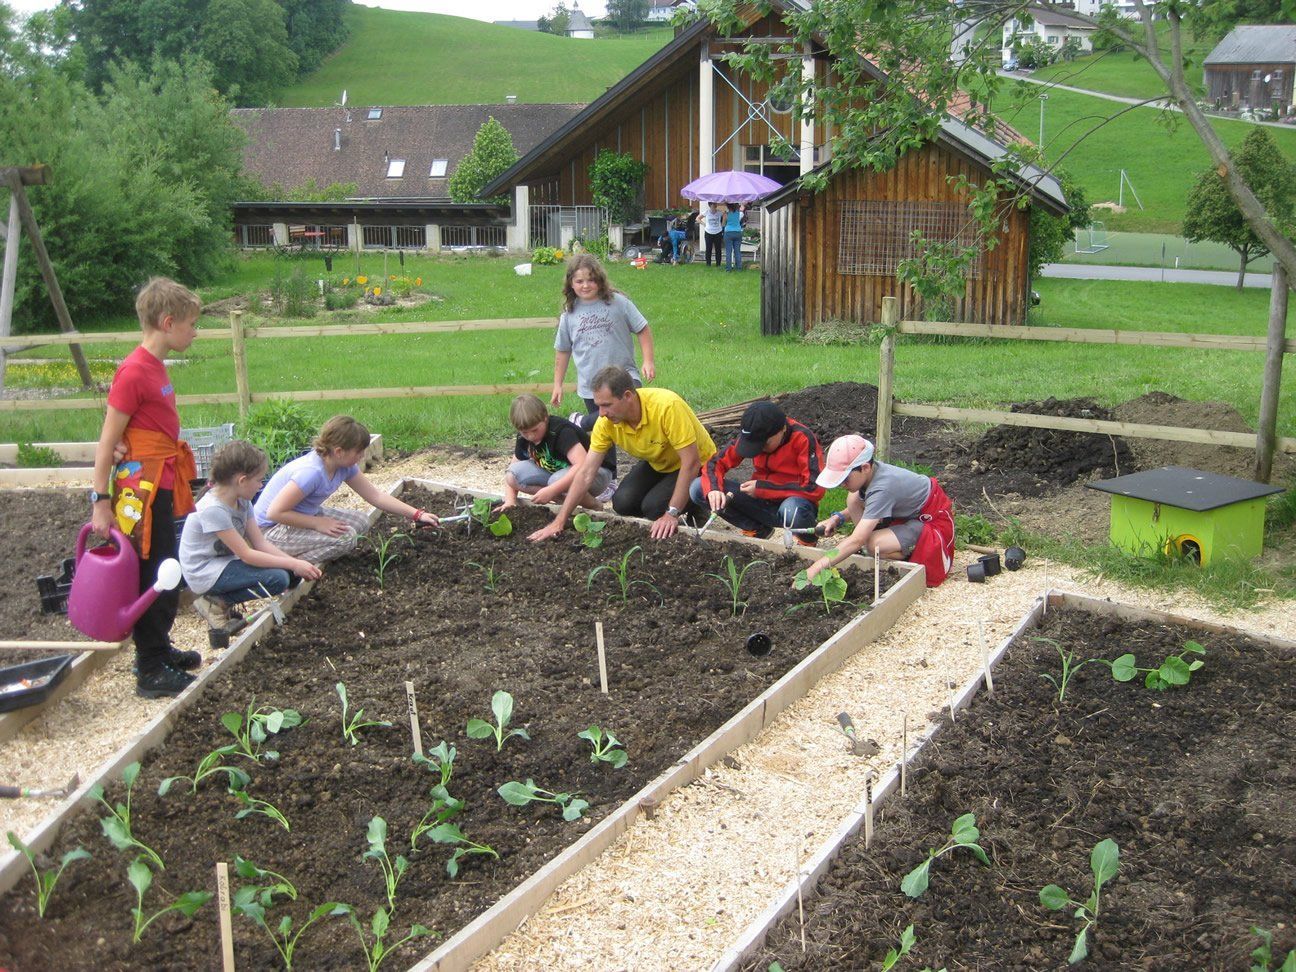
(411,703)
(868,810)
(904,754)
(985,654)
(223,905)
(877,577)
(950,686)
(602,656)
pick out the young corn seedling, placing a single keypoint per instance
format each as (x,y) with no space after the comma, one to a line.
(117,826)
(620,571)
(481,512)
(253,727)
(251,805)
(250,905)
(605,747)
(449,833)
(732,580)
(45,880)
(1069,667)
(963,834)
(831,584)
(1175,671)
(1104,861)
(1262,955)
(352,725)
(520,794)
(274,882)
(141,879)
(385,548)
(490,577)
(502,707)
(589,529)
(211,765)
(376,952)
(392,871)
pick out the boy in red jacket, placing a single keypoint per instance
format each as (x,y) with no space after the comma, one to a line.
(787,459)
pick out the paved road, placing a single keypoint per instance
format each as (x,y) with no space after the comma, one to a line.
(1090,271)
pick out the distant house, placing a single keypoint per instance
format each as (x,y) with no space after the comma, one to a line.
(660,11)
(1053,27)
(400,159)
(1252,68)
(578,25)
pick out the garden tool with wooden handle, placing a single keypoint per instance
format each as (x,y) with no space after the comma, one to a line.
(710,519)
(27,793)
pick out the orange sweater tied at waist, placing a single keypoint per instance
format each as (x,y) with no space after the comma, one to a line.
(135,479)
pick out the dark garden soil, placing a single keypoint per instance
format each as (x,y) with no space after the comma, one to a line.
(676,669)
(1196,785)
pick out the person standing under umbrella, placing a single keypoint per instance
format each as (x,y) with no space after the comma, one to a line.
(713,219)
(733,236)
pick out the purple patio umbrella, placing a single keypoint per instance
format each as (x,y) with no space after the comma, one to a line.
(729,187)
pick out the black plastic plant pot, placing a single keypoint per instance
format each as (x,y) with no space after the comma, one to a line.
(759,644)
(991,564)
(31,682)
(976,573)
(1014,557)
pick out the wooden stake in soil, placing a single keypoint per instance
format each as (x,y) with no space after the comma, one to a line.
(985,654)
(950,685)
(796,874)
(411,703)
(868,810)
(904,754)
(877,577)
(602,655)
(226,928)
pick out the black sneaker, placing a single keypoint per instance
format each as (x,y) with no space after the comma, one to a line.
(183,660)
(165,682)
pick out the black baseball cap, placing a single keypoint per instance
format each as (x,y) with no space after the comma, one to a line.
(759,422)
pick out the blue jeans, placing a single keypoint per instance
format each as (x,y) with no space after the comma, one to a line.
(733,250)
(241,582)
(676,238)
(749,513)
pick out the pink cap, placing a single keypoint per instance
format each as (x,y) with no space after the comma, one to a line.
(847,452)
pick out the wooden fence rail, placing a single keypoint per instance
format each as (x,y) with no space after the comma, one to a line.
(888,407)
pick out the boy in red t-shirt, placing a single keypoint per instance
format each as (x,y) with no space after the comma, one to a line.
(143,493)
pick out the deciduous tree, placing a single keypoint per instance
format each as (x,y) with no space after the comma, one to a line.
(491,154)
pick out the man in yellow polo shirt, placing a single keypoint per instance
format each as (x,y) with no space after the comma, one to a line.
(659,429)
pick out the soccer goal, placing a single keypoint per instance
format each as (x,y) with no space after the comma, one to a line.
(1093,239)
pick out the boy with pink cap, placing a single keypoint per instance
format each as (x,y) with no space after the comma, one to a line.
(898,514)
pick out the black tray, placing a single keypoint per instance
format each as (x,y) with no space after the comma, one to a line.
(45,673)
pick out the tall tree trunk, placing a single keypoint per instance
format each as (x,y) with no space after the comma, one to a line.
(1242,269)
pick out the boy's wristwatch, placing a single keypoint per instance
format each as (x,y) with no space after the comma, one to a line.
(96,496)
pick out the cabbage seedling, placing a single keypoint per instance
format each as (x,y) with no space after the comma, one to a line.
(481,512)
(604,744)
(520,794)
(732,580)
(831,584)
(393,871)
(1262,955)
(357,721)
(589,529)
(252,728)
(265,808)
(894,955)
(264,893)
(502,707)
(963,834)
(141,879)
(45,880)
(376,953)
(448,833)
(117,827)
(1173,672)
(210,765)
(1104,861)
(440,760)
(490,578)
(443,808)
(620,570)
(248,903)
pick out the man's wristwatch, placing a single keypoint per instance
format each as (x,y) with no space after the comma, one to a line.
(96,496)
(673,511)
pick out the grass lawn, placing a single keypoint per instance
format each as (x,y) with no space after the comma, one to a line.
(705,323)
(401,58)
(1158,150)
(1162,250)
(1123,73)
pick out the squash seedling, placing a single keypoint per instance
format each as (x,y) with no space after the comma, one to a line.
(1174,671)
(352,725)
(45,880)
(210,765)
(604,744)
(141,879)
(249,904)
(253,727)
(449,833)
(502,526)
(386,551)
(502,707)
(117,826)
(732,580)
(490,577)
(1104,861)
(620,571)
(589,529)
(963,834)
(520,794)
(377,952)
(831,584)
(251,805)
(392,871)
(1262,955)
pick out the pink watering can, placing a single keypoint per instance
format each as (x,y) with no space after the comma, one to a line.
(104,601)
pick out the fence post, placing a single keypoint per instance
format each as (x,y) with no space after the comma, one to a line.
(886,377)
(240,363)
(1266,428)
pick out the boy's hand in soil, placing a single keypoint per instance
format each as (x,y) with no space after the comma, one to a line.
(544,533)
(306,570)
(546,495)
(819,565)
(664,526)
(331,527)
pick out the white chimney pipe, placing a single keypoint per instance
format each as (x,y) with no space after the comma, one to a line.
(337,140)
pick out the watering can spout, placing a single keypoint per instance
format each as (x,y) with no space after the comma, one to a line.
(105,601)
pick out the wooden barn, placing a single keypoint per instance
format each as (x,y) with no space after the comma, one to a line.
(686,113)
(1252,68)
